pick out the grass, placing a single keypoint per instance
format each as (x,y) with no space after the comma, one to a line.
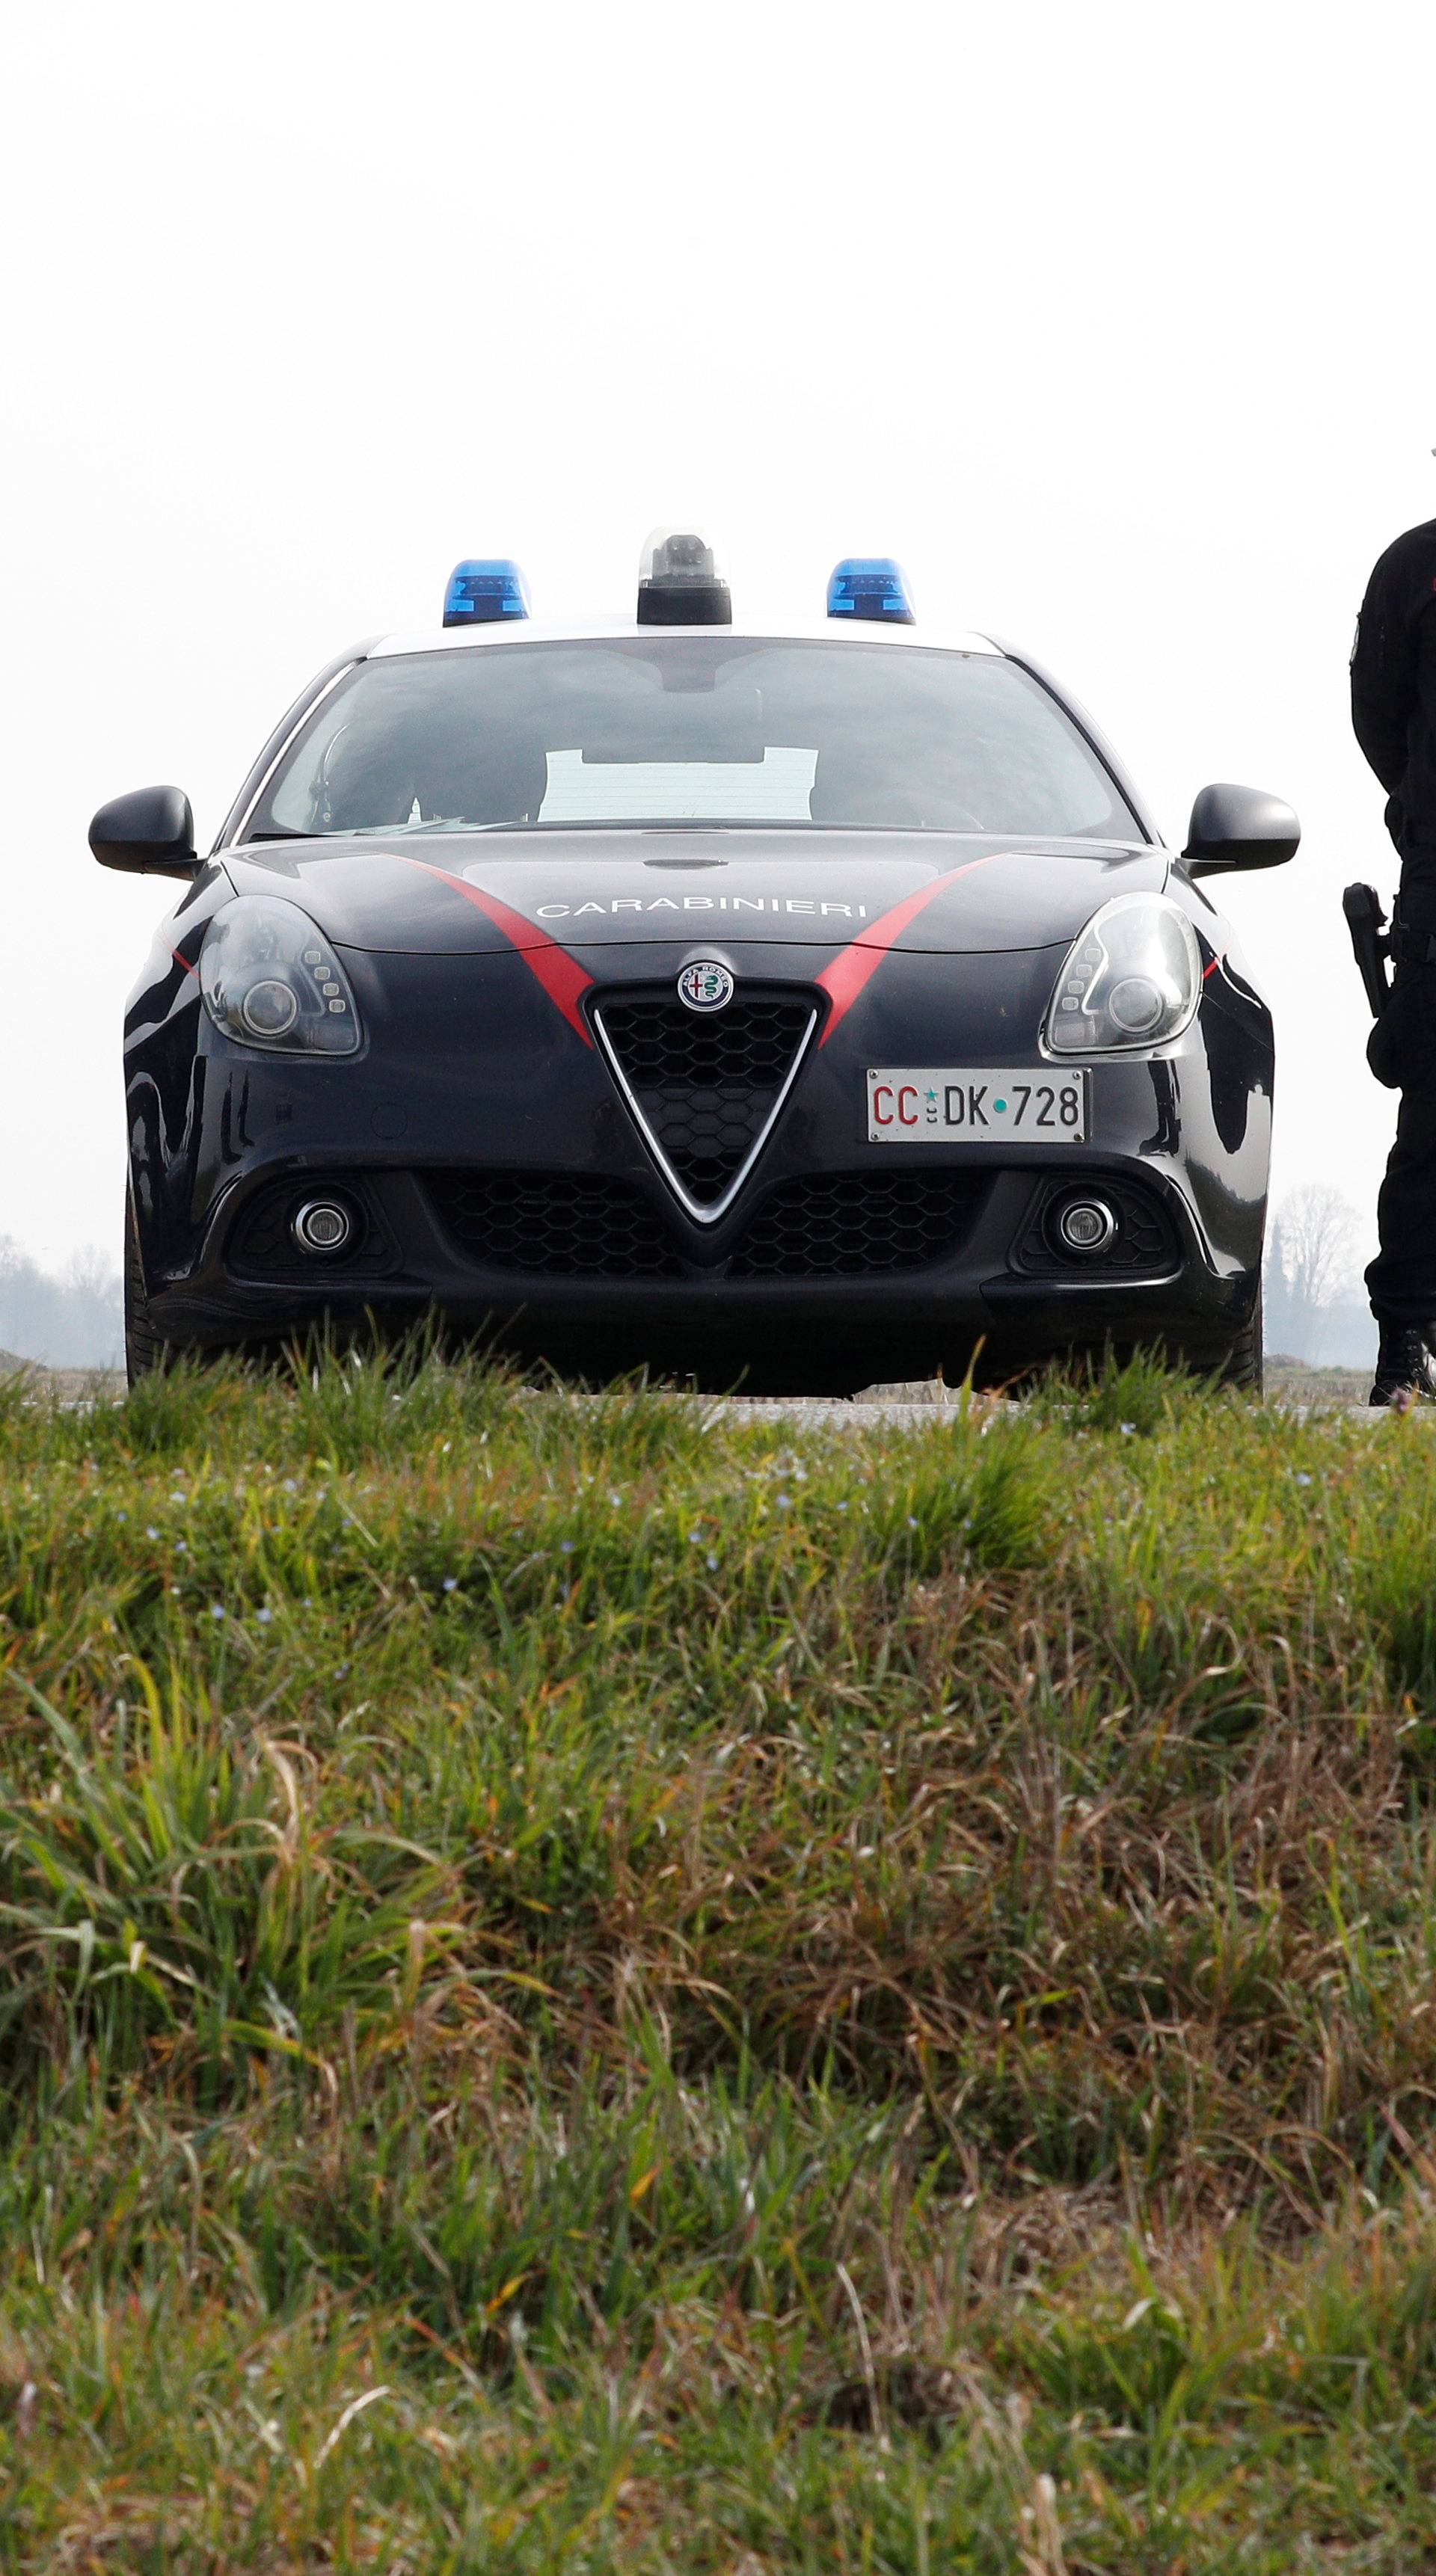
(609,1986)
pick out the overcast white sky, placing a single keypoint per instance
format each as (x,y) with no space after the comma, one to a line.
(1112,321)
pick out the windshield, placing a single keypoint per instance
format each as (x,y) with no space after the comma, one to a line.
(685,728)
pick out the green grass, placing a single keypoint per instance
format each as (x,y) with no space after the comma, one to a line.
(604,1986)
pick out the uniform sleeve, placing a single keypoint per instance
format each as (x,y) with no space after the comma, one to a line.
(1385,657)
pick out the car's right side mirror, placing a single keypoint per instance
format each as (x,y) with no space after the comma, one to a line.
(150,832)
(1239,827)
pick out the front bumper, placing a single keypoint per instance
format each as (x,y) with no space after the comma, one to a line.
(1001,1282)
(471,1084)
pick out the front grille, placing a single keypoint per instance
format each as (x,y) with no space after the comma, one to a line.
(557,1225)
(705,1086)
(854,1224)
(826,1225)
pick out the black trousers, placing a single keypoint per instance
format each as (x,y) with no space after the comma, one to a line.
(1401,1281)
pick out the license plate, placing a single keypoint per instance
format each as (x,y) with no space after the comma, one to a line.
(921,1104)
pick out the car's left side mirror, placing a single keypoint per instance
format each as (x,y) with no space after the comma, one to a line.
(1239,827)
(149,832)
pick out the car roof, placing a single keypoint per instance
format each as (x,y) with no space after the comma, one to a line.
(501,632)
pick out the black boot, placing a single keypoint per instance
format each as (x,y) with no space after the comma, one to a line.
(1403,1367)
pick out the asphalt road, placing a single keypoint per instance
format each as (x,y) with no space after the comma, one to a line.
(913,1402)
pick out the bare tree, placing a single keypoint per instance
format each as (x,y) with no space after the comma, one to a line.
(1309,1264)
(1318,1233)
(70,1317)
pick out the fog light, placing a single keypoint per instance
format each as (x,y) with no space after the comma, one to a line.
(1086,1226)
(322,1226)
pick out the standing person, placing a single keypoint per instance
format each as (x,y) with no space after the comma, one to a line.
(1393,710)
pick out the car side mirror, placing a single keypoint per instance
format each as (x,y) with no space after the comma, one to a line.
(149,832)
(1239,827)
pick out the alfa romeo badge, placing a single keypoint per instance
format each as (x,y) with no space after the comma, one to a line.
(705,985)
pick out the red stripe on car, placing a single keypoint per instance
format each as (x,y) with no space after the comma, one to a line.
(562,977)
(853,966)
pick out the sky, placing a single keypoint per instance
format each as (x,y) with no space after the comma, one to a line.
(1111,321)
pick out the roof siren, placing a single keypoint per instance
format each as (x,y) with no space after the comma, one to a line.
(679,583)
(871,587)
(484,590)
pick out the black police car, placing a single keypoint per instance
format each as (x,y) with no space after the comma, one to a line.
(806,1008)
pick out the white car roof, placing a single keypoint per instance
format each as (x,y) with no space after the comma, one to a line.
(499,632)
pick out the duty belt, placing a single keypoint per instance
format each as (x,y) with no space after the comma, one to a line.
(1410,947)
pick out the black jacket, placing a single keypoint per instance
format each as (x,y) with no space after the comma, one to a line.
(1393,684)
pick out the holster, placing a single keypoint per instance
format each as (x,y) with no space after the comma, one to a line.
(1371,944)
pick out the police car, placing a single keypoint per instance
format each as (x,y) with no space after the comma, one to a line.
(798,1008)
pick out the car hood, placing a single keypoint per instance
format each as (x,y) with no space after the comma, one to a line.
(443,893)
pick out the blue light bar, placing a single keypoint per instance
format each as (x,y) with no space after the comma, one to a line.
(483,591)
(871,586)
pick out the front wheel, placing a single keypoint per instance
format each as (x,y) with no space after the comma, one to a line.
(1243,1364)
(146,1349)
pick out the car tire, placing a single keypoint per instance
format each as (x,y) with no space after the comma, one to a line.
(1243,1364)
(146,1349)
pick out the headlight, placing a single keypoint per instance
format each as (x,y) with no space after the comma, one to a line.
(270,979)
(1133,979)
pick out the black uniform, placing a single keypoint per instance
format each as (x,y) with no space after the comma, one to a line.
(1393,709)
